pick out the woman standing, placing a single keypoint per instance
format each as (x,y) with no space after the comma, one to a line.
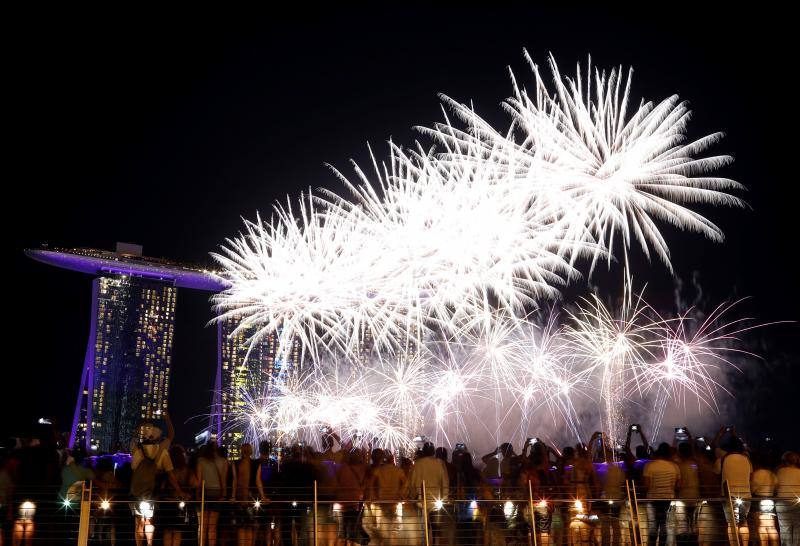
(212,472)
(788,493)
(243,475)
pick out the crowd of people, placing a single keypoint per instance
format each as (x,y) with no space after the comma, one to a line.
(687,491)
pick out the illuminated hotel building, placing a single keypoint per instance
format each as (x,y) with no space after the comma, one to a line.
(126,372)
(243,369)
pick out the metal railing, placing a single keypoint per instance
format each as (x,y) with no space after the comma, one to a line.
(302,516)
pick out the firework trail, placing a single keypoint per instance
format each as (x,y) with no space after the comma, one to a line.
(434,262)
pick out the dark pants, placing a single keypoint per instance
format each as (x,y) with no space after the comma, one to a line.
(610,532)
(292,516)
(658,524)
(352,528)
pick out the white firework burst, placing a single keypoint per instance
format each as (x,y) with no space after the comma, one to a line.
(598,167)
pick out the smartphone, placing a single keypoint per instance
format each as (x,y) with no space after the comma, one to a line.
(533,441)
(325,430)
(635,428)
(728,429)
(461,447)
(680,430)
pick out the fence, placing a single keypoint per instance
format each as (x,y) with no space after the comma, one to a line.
(300,517)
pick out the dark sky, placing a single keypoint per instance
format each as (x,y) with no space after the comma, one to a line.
(164,129)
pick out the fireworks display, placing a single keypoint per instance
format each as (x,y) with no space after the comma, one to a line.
(415,297)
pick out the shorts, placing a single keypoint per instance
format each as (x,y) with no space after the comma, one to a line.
(741,507)
(244,513)
(170,515)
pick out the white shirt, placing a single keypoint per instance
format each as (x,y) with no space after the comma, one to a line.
(664,476)
(434,473)
(763,483)
(789,482)
(735,469)
(162,460)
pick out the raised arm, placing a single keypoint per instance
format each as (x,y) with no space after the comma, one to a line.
(170,427)
(628,444)
(718,437)
(644,440)
(235,481)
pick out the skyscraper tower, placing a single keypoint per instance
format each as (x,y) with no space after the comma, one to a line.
(126,372)
(244,370)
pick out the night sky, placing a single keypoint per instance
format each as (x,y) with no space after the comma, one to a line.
(164,130)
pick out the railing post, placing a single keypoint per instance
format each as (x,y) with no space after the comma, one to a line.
(533,513)
(425,513)
(734,520)
(86,508)
(201,540)
(636,529)
(315,512)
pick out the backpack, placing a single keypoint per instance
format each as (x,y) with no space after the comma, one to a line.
(143,481)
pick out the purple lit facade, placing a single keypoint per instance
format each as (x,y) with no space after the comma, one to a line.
(99,262)
(126,371)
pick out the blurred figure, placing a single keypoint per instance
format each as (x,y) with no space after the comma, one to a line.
(6,488)
(243,475)
(788,493)
(498,467)
(687,504)
(464,488)
(388,487)
(735,472)
(212,475)
(173,518)
(73,476)
(584,484)
(433,473)
(406,465)
(351,480)
(612,485)
(389,482)
(150,464)
(36,488)
(660,479)
(762,517)
(105,487)
(441,454)
(265,473)
(293,486)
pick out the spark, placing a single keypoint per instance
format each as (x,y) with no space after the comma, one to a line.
(412,298)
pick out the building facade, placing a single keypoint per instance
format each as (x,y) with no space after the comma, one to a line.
(244,370)
(129,355)
(127,368)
